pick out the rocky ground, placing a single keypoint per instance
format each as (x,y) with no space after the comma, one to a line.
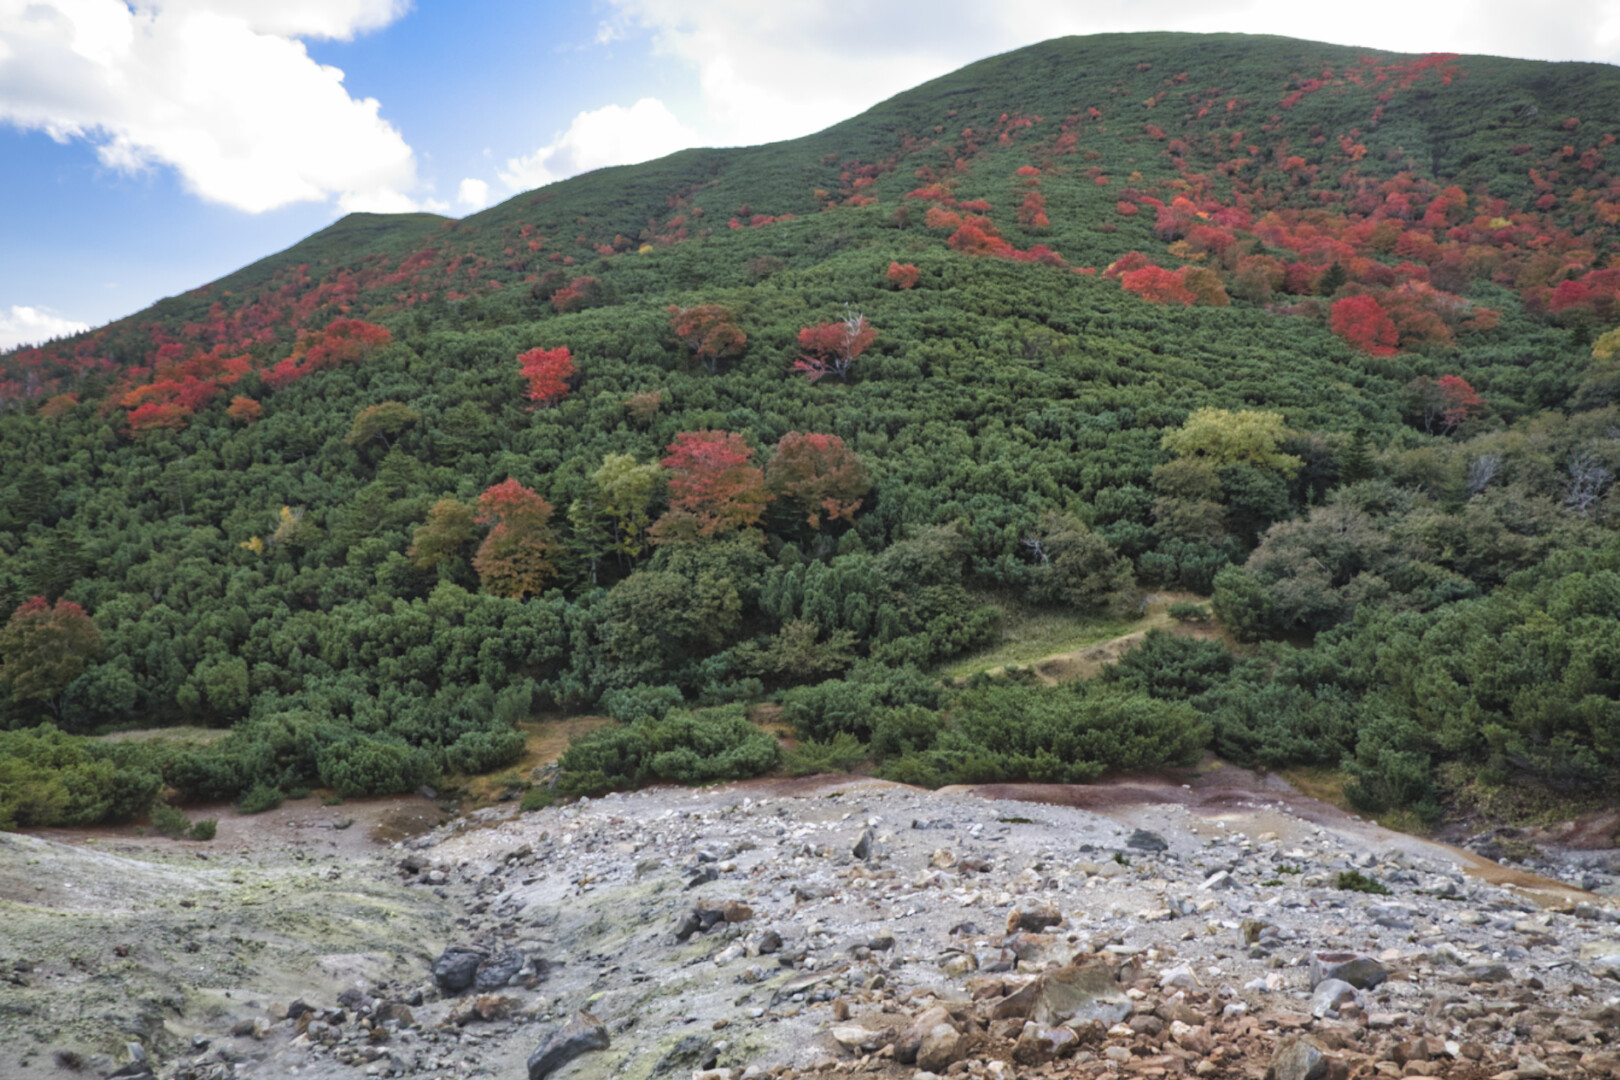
(822,927)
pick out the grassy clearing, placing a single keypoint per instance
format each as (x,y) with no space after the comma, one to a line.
(1026,640)
(548,737)
(200,735)
(1327,785)
(1030,635)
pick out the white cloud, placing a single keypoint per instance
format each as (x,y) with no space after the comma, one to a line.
(774,71)
(473,193)
(216,89)
(337,19)
(24,325)
(612,135)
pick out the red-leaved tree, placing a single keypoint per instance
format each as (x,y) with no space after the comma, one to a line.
(818,474)
(1362,321)
(1156,284)
(714,486)
(581,293)
(1442,405)
(344,341)
(44,648)
(709,332)
(517,558)
(835,346)
(904,275)
(547,372)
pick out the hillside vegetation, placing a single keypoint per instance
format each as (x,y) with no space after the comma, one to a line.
(1328,334)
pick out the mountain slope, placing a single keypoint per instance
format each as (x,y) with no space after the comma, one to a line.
(1309,328)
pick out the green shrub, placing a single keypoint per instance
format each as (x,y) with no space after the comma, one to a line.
(203,829)
(362,766)
(841,754)
(48,777)
(536,798)
(259,798)
(1187,611)
(1241,603)
(1065,734)
(1356,881)
(169,821)
(484,751)
(640,701)
(855,703)
(685,747)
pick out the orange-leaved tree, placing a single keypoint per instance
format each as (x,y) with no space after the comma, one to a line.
(819,475)
(714,486)
(517,558)
(709,332)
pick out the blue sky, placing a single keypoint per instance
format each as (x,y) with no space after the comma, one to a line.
(151,146)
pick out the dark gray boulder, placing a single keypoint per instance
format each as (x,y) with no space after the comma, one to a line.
(580,1035)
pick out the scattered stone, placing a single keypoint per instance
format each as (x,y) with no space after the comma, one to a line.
(497,971)
(1329,995)
(457,967)
(1039,1044)
(1359,970)
(1144,840)
(582,1034)
(907,1046)
(1068,995)
(937,1051)
(1033,917)
(1298,1059)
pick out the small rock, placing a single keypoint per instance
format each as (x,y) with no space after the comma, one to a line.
(580,1035)
(1038,1044)
(906,1047)
(937,1052)
(1220,879)
(1328,996)
(863,846)
(1144,840)
(1298,1059)
(1033,917)
(497,971)
(1357,969)
(1531,1069)
(1180,977)
(1487,973)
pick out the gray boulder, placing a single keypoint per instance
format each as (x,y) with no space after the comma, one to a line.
(457,967)
(580,1035)
(1298,1059)
(497,971)
(1358,969)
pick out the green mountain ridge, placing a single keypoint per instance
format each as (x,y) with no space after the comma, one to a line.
(1323,332)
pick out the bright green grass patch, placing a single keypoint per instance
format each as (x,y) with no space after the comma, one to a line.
(1028,637)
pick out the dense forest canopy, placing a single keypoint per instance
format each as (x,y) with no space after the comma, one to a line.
(1325,334)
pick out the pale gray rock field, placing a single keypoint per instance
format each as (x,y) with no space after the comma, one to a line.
(837,925)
